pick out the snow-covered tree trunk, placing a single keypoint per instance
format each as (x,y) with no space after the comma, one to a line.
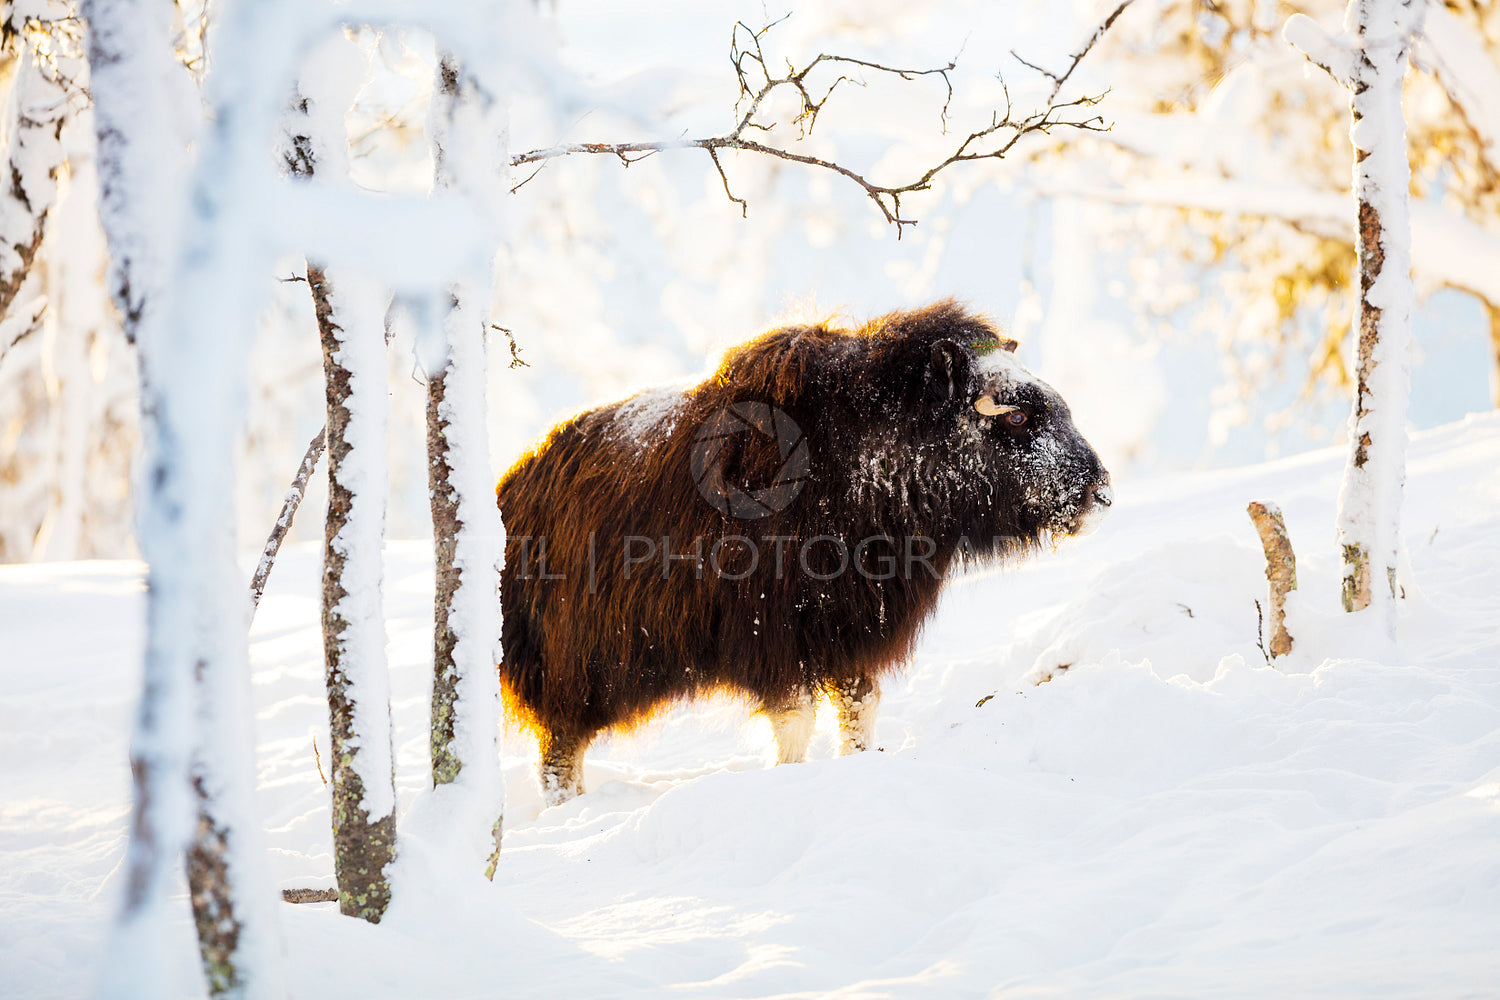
(351,329)
(359,715)
(1369,516)
(127,42)
(1372,64)
(193,721)
(468,538)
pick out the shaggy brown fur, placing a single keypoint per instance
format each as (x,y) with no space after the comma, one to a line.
(624,588)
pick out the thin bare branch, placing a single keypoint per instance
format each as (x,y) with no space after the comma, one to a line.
(515,352)
(529,177)
(1099,32)
(757,83)
(289,506)
(713,154)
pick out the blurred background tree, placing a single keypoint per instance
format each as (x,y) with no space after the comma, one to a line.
(1225,186)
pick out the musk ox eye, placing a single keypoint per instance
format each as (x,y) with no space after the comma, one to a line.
(1016,419)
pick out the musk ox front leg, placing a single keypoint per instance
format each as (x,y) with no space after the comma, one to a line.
(561,768)
(855,700)
(792,725)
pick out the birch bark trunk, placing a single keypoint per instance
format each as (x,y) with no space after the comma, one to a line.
(1369,512)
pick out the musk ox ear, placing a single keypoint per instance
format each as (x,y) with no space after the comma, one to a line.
(949,369)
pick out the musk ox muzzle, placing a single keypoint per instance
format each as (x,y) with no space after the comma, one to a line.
(780,529)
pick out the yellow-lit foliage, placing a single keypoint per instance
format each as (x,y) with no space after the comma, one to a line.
(1167,59)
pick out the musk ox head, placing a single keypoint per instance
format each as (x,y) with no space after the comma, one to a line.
(923,421)
(1014,433)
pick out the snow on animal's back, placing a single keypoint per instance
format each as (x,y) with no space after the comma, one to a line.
(649,416)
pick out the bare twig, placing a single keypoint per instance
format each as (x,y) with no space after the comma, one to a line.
(1281,569)
(758,82)
(1099,32)
(318,760)
(1260,633)
(310,895)
(289,506)
(515,352)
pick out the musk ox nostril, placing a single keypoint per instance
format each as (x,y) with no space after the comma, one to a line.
(1105,495)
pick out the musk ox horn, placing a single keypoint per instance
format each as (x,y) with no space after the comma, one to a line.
(986,405)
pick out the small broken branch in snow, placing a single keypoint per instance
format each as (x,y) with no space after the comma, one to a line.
(1260,633)
(310,895)
(1281,569)
(289,506)
(758,82)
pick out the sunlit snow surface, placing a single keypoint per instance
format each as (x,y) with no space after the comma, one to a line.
(1165,817)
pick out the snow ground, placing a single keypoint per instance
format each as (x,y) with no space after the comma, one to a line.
(1168,817)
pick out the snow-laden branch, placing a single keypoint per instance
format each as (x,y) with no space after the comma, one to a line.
(43,59)
(1448,250)
(758,82)
(1449,49)
(1331,53)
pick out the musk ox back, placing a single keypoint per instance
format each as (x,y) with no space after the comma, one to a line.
(780,529)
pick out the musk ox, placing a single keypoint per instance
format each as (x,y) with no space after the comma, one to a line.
(780,529)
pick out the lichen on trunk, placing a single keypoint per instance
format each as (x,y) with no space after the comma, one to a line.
(446,764)
(211,892)
(364,845)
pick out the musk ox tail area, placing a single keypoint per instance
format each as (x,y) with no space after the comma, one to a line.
(780,529)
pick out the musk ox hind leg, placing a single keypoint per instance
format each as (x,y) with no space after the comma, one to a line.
(561,768)
(792,725)
(855,700)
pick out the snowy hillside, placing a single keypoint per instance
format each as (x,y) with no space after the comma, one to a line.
(1166,817)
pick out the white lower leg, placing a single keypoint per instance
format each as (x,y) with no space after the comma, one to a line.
(561,769)
(793,727)
(855,702)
